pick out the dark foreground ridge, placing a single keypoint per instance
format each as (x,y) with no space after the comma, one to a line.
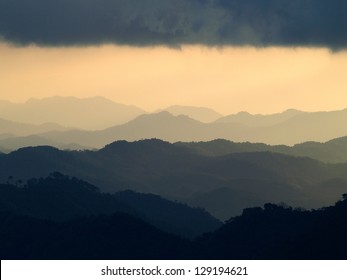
(79,222)
(61,198)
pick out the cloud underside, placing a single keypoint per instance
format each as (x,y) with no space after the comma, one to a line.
(175,22)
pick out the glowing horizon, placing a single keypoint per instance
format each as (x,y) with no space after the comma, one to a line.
(228,80)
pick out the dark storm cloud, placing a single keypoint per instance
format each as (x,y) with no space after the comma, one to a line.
(175,22)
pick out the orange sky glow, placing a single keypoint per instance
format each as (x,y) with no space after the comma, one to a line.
(228,80)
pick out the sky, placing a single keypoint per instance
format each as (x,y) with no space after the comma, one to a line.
(261,56)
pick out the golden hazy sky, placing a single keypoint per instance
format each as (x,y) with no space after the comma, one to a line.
(228,80)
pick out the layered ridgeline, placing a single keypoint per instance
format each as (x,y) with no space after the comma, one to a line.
(153,187)
(332,151)
(223,184)
(95,122)
(297,129)
(65,218)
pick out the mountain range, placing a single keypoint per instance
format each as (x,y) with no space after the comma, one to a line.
(160,200)
(223,185)
(301,128)
(172,175)
(70,121)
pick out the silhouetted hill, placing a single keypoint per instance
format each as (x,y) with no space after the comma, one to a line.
(60,198)
(201,114)
(179,173)
(279,232)
(87,113)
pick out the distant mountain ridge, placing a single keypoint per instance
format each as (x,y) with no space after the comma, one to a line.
(319,127)
(108,122)
(162,125)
